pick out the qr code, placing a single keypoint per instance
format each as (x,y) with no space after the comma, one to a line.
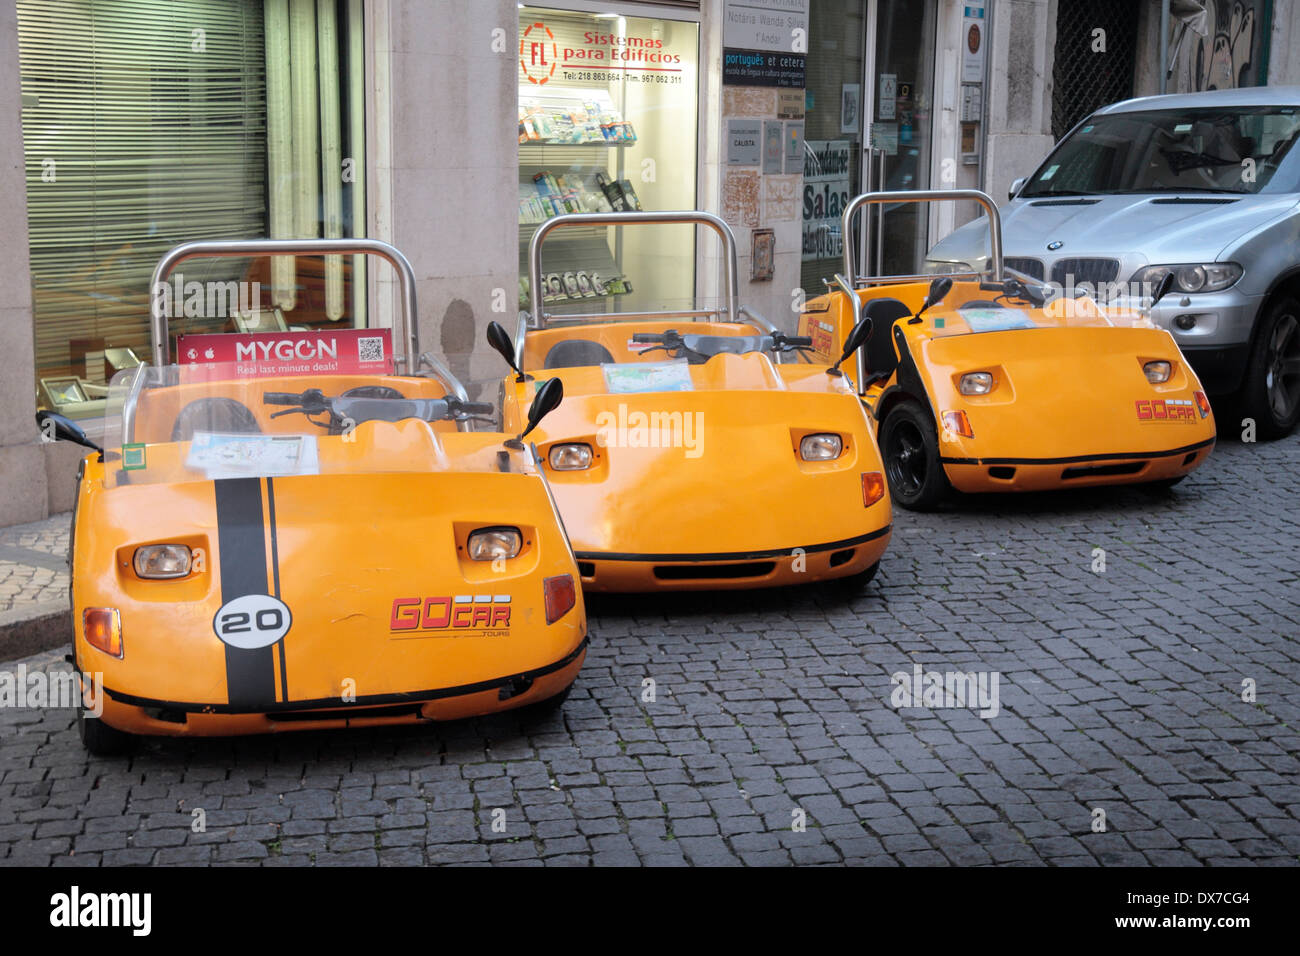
(370,349)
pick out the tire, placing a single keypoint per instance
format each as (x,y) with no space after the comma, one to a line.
(544,708)
(1163,484)
(910,448)
(1270,391)
(100,739)
(853,585)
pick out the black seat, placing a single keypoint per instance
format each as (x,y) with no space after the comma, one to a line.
(372,391)
(882,359)
(575,353)
(214,415)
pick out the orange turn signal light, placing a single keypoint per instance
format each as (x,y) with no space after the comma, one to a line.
(102,627)
(873,488)
(957,423)
(1202,404)
(560,594)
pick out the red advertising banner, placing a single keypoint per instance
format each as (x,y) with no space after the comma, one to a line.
(319,351)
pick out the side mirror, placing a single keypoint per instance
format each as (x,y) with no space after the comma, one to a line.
(1164,288)
(1016,186)
(939,287)
(546,400)
(856,339)
(499,339)
(61,428)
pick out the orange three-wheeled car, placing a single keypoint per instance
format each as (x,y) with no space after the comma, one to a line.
(314,547)
(697,449)
(980,383)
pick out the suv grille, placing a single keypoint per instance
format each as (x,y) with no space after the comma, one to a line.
(1091,271)
(1030,267)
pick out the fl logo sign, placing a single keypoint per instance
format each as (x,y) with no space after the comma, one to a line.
(538,53)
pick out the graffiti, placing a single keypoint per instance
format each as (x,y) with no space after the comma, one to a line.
(1230,53)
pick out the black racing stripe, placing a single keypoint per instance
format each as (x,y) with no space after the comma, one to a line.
(732,555)
(1108,456)
(417,696)
(275,576)
(241,546)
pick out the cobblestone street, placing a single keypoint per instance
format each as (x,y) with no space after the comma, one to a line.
(1120,690)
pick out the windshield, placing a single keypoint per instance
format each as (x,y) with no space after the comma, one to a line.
(1240,150)
(184,423)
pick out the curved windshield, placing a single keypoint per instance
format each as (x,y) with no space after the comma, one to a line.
(1239,150)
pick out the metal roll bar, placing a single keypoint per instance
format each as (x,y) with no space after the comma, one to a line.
(537,318)
(235,248)
(922,196)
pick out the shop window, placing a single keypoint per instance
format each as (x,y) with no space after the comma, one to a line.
(148,124)
(607,123)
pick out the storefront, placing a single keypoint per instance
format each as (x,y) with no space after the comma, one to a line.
(608,121)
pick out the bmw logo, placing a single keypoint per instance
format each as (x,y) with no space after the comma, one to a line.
(1054,245)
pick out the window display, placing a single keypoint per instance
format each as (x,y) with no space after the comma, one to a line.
(603,101)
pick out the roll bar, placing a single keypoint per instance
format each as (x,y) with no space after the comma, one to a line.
(922,196)
(537,318)
(229,248)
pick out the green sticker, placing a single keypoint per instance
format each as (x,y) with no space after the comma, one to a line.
(133,457)
(938,321)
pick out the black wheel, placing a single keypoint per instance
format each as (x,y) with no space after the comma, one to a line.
(910,447)
(854,584)
(1162,484)
(542,709)
(1270,393)
(99,738)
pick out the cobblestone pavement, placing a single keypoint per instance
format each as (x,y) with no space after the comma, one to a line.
(33,568)
(1120,691)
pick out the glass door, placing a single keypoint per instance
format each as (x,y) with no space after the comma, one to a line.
(867,128)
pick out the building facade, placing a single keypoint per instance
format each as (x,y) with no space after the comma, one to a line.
(453,128)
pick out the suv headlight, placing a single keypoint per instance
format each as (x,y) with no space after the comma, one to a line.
(162,561)
(820,447)
(570,457)
(1192,277)
(940,267)
(493,544)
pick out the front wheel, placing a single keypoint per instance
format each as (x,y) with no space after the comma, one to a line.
(100,739)
(1270,393)
(910,447)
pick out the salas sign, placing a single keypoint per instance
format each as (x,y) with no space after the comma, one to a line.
(323,351)
(826,174)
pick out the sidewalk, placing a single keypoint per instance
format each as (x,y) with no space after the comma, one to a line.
(34,587)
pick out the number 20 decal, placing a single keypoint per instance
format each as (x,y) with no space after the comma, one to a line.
(252,621)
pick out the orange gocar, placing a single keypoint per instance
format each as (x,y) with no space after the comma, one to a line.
(995,383)
(697,449)
(322,547)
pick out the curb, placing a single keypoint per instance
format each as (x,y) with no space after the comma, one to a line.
(28,630)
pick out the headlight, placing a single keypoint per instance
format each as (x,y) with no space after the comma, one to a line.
(574,457)
(976,383)
(939,267)
(820,447)
(161,561)
(492,544)
(1157,372)
(1192,277)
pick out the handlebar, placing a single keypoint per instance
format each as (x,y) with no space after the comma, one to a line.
(281,398)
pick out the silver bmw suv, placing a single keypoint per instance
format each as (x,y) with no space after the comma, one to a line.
(1203,185)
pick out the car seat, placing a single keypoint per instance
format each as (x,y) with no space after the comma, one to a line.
(881,357)
(214,415)
(575,353)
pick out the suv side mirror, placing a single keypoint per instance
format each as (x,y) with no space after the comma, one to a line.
(1016,186)
(1163,289)
(61,428)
